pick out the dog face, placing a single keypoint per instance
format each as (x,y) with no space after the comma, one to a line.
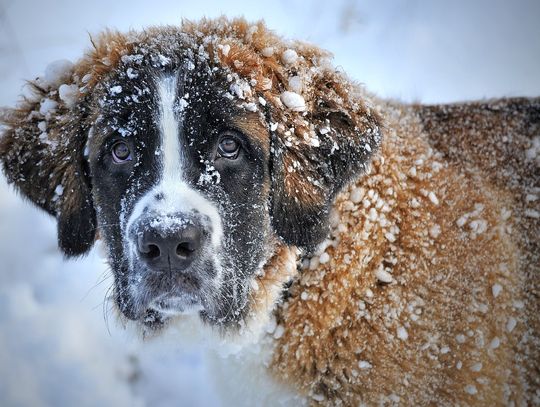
(181,182)
(197,153)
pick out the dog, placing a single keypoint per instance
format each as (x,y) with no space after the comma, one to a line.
(360,250)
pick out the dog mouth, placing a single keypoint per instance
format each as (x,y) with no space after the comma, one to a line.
(153,298)
(169,305)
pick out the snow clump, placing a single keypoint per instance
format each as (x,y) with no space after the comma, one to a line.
(267,52)
(68,94)
(289,57)
(56,73)
(295,84)
(47,107)
(293,101)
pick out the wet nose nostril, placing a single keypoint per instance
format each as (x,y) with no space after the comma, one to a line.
(185,249)
(146,249)
(153,251)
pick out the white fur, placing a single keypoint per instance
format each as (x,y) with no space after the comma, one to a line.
(170,124)
(178,196)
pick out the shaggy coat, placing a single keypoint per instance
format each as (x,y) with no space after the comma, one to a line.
(406,260)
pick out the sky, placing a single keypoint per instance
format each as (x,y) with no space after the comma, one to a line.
(56,346)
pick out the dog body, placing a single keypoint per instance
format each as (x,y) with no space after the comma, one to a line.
(228,173)
(422,318)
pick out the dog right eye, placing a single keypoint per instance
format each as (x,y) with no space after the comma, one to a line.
(121,152)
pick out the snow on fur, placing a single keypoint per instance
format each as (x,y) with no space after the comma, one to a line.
(393,281)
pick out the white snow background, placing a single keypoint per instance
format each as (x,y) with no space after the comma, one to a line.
(55,347)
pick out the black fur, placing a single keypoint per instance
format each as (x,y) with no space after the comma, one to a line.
(302,220)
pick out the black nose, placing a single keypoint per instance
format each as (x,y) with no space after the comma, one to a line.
(169,247)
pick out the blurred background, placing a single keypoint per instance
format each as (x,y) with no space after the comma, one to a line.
(56,347)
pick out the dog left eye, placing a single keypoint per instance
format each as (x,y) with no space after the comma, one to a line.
(228,147)
(121,152)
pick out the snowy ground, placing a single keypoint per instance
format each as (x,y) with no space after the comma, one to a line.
(55,347)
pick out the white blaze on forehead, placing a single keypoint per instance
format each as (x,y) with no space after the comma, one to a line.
(169,129)
(177,195)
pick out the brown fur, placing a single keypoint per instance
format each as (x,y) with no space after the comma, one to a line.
(37,166)
(442,280)
(446,214)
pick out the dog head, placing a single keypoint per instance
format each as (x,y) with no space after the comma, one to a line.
(198,154)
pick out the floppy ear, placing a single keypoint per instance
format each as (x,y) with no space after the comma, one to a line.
(337,138)
(41,149)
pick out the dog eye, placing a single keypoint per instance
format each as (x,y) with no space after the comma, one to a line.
(120,152)
(228,147)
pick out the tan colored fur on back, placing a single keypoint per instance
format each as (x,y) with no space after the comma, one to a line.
(459,321)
